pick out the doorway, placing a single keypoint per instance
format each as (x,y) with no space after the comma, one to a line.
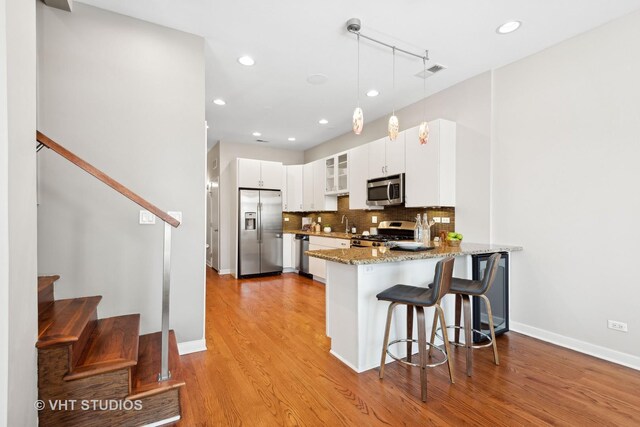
(213,241)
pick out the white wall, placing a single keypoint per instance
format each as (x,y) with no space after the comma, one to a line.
(565,166)
(18,282)
(228,152)
(469,105)
(128,97)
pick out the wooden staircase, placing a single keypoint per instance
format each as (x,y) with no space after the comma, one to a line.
(100,372)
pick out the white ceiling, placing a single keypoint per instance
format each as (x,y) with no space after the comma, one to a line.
(291,39)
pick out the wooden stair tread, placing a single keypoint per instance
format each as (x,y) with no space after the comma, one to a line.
(113,345)
(45,281)
(145,378)
(63,321)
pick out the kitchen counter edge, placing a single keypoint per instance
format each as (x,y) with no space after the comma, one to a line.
(333,234)
(361,256)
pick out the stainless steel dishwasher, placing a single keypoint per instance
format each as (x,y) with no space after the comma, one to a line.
(302,260)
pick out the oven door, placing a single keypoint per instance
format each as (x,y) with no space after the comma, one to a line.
(386,191)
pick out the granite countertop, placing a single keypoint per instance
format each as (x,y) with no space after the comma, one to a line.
(359,256)
(333,234)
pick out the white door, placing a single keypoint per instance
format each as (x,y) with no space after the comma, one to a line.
(318,184)
(307,194)
(213,235)
(294,188)
(249,173)
(358,175)
(421,179)
(377,158)
(395,155)
(271,175)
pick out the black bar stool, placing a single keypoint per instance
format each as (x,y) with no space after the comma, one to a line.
(418,298)
(463,289)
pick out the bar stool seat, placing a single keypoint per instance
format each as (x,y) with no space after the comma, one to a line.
(463,289)
(418,298)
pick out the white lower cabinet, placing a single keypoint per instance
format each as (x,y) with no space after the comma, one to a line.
(317,266)
(288,252)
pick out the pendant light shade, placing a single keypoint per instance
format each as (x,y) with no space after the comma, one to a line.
(423,133)
(358,115)
(393,127)
(358,121)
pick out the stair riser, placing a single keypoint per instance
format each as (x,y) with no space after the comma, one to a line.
(78,347)
(45,297)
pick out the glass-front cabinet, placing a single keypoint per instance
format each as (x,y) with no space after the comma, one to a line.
(337,174)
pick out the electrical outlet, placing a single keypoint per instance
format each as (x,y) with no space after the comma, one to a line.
(446,220)
(617,326)
(374,219)
(319,219)
(437,219)
(286,219)
(146,218)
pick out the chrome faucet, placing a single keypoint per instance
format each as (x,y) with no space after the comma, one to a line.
(342,221)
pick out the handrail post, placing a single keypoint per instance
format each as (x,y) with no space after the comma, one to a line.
(166,287)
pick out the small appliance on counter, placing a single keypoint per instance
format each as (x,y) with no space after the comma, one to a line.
(387,231)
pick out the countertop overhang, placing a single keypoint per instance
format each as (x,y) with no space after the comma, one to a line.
(360,256)
(333,234)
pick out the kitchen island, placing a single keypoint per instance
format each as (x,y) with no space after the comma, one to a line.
(355,319)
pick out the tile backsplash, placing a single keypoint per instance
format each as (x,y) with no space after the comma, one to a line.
(361,219)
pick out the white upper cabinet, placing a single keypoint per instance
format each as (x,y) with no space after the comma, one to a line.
(386,157)
(307,192)
(271,175)
(285,189)
(294,202)
(358,175)
(314,198)
(259,174)
(431,168)
(337,174)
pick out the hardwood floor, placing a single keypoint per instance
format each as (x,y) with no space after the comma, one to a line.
(268,364)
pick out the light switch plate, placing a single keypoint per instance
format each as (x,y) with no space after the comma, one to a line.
(286,219)
(176,214)
(374,219)
(446,220)
(146,218)
(437,219)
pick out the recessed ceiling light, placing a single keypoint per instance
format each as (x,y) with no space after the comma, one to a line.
(373,93)
(317,79)
(508,27)
(256,134)
(246,60)
(323,121)
(291,139)
(219,101)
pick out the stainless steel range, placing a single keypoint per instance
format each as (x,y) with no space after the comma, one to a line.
(388,231)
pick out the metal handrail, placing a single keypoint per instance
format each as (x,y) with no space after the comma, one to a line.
(169,221)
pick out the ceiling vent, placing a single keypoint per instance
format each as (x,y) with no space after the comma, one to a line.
(430,71)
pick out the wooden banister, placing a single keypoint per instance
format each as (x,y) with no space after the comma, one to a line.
(49,143)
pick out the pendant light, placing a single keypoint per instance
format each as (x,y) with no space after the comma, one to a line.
(423,131)
(394,126)
(358,117)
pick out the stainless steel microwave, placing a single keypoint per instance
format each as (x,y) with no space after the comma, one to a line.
(386,191)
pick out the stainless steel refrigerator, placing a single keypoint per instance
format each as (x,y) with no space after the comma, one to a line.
(260,232)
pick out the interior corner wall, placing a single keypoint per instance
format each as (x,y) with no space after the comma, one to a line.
(18,264)
(469,105)
(565,165)
(228,152)
(128,97)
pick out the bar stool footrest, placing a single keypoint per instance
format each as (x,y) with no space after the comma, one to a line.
(473,346)
(404,362)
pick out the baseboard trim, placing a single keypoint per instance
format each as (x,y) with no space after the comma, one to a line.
(600,352)
(223,272)
(164,422)
(188,347)
(345,362)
